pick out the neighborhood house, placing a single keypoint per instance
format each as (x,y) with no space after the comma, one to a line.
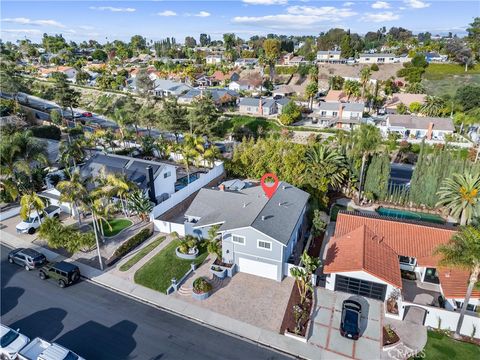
(420,127)
(341,115)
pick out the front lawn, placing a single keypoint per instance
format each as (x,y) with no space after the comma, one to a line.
(157,273)
(439,71)
(142,253)
(117,225)
(440,346)
(230,124)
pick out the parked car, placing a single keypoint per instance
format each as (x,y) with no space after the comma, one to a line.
(33,222)
(39,349)
(351,314)
(11,341)
(87,114)
(28,258)
(62,272)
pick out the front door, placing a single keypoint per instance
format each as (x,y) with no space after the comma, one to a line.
(227,252)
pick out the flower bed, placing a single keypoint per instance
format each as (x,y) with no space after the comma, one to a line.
(218,271)
(201,289)
(389,337)
(289,322)
(188,256)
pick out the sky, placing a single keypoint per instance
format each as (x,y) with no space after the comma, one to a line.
(155,20)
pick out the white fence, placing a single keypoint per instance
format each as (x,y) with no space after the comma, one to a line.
(447,320)
(184,193)
(169,227)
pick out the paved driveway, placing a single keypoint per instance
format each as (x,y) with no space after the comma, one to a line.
(326,333)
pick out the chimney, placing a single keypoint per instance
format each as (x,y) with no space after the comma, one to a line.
(430,131)
(151,185)
(260,108)
(221,187)
(340,115)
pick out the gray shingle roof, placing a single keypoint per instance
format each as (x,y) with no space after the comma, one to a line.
(254,102)
(378,55)
(216,93)
(421,122)
(332,106)
(244,208)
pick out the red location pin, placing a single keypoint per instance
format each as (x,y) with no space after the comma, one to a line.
(267,187)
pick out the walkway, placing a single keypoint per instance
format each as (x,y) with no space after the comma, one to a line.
(413,338)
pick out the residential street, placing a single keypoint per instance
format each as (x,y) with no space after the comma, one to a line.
(100,324)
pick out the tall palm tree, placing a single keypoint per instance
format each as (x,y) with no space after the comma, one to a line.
(463,251)
(351,87)
(116,185)
(325,166)
(433,106)
(29,203)
(122,118)
(365,74)
(211,154)
(310,91)
(366,140)
(460,194)
(73,190)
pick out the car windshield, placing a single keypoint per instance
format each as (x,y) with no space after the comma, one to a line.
(31,219)
(38,258)
(8,338)
(351,321)
(70,356)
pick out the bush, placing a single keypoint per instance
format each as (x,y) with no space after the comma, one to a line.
(76,131)
(131,243)
(201,286)
(374,67)
(47,132)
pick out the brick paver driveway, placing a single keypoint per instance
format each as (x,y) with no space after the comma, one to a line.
(252,299)
(326,333)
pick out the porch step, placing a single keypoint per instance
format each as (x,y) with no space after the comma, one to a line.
(184,290)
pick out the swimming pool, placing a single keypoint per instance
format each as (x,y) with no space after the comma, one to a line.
(183,181)
(410,215)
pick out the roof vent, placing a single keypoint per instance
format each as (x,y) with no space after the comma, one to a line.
(263,217)
(279,204)
(244,204)
(284,187)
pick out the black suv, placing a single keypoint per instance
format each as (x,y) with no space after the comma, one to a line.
(28,258)
(62,272)
(350,324)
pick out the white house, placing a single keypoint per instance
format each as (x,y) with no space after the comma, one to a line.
(378,58)
(330,56)
(420,126)
(246,62)
(341,115)
(214,59)
(366,254)
(69,71)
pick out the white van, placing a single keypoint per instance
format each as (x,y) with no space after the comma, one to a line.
(39,349)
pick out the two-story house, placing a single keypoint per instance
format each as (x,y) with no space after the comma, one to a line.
(258,234)
(214,59)
(340,115)
(330,56)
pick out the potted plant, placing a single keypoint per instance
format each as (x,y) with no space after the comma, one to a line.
(188,248)
(201,289)
(218,271)
(392,302)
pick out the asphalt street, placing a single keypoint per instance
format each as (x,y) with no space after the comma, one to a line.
(100,324)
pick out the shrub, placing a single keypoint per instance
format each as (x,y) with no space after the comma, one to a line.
(374,67)
(131,243)
(47,132)
(201,286)
(76,131)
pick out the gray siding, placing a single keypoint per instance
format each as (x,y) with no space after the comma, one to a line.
(294,238)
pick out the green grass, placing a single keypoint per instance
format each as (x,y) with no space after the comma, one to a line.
(440,71)
(250,122)
(142,253)
(158,272)
(448,84)
(440,346)
(117,225)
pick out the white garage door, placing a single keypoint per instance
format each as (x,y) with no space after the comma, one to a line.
(258,268)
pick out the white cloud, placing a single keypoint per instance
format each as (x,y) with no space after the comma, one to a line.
(26,21)
(298,17)
(380,17)
(381,5)
(167,13)
(348,4)
(22,31)
(112,9)
(86,27)
(265,2)
(416,4)
(202,14)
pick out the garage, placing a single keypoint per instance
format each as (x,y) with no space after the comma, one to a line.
(356,286)
(258,268)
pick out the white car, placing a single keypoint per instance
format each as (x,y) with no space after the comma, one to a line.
(33,222)
(11,342)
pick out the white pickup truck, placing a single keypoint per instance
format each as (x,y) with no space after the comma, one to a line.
(33,222)
(39,349)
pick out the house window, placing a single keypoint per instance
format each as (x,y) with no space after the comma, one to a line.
(167,174)
(407,260)
(238,239)
(470,307)
(323,113)
(334,114)
(262,244)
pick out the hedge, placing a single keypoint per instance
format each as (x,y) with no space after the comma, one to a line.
(130,244)
(47,132)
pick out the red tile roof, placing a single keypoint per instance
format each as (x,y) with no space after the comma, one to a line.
(362,250)
(354,249)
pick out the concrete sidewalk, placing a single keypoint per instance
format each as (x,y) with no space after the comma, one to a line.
(182,308)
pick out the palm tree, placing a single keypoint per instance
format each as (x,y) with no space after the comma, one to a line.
(116,185)
(71,152)
(351,87)
(73,190)
(140,204)
(325,165)
(460,194)
(366,139)
(433,106)
(122,118)
(365,74)
(463,251)
(310,91)
(415,88)
(29,203)
(211,154)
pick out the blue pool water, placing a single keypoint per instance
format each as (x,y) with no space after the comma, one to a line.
(410,215)
(183,181)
